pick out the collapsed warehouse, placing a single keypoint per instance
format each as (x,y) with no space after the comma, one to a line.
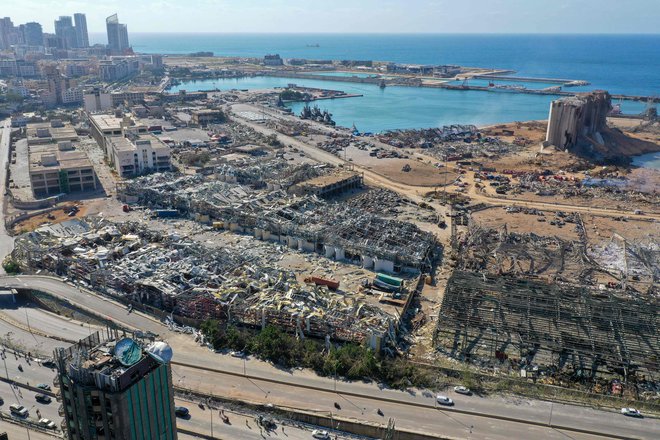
(306,223)
(543,304)
(195,282)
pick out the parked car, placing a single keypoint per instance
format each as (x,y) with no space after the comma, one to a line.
(460,389)
(444,400)
(18,410)
(49,363)
(47,423)
(181,411)
(42,398)
(631,412)
(44,386)
(320,434)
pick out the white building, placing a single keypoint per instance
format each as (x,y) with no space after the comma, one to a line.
(72,96)
(134,154)
(97,101)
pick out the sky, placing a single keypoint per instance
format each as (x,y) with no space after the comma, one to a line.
(351,16)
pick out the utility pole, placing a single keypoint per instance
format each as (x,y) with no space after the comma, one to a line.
(208,403)
(4,359)
(28,321)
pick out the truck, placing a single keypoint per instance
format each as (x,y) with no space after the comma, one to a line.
(331,284)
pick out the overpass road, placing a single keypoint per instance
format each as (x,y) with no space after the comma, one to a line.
(199,369)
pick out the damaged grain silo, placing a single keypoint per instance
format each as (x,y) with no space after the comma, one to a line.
(578,120)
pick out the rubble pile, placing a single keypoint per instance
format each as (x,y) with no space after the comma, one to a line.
(337,230)
(540,303)
(193,281)
(454,142)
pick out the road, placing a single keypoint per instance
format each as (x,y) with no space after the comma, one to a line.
(412,410)
(6,241)
(241,426)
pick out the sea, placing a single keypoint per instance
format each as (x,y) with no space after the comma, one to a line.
(620,64)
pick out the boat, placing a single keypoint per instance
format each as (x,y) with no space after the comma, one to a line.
(313,45)
(382,84)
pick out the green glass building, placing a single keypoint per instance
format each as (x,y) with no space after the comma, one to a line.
(115,388)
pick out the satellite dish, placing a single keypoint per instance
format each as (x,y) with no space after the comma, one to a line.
(127,352)
(161,351)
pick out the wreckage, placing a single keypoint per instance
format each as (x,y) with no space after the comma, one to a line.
(193,282)
(540,302)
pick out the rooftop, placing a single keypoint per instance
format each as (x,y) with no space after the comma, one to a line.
(44,132)
(130,143)
(110,361)
(64,159)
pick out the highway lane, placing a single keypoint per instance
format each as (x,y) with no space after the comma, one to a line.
(18,432)
(240,426)
(6,241)
(200,420)
(189,353)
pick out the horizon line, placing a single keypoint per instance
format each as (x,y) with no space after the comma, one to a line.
(383,33)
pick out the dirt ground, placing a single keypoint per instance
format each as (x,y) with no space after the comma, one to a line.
(421,172)
(522,223)
(56,216)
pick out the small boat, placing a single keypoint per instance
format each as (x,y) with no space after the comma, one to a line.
(382,84)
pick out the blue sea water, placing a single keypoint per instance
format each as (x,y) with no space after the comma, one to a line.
(621,64)
(618,63)
(650,160)
(404,107)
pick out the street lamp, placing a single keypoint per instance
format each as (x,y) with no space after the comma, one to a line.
(208,404)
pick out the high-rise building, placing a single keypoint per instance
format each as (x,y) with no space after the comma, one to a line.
(8,34)
(82,37)
(33,34)
(66,32)
(115,388)
(117,35)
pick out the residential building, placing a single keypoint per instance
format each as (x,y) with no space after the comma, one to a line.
(60,168)
(117,35)
(117,68)
(115,388)
(73,95)
(65,31)
(82,37)
(8,33)
(96,100)
(134,154)
(33,34)
(126,98)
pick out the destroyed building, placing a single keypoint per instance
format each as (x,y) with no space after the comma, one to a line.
(527,302)
(306,223)
(579,119)
(194,282)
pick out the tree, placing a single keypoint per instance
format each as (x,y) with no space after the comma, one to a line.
(211,330)
(11,266)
